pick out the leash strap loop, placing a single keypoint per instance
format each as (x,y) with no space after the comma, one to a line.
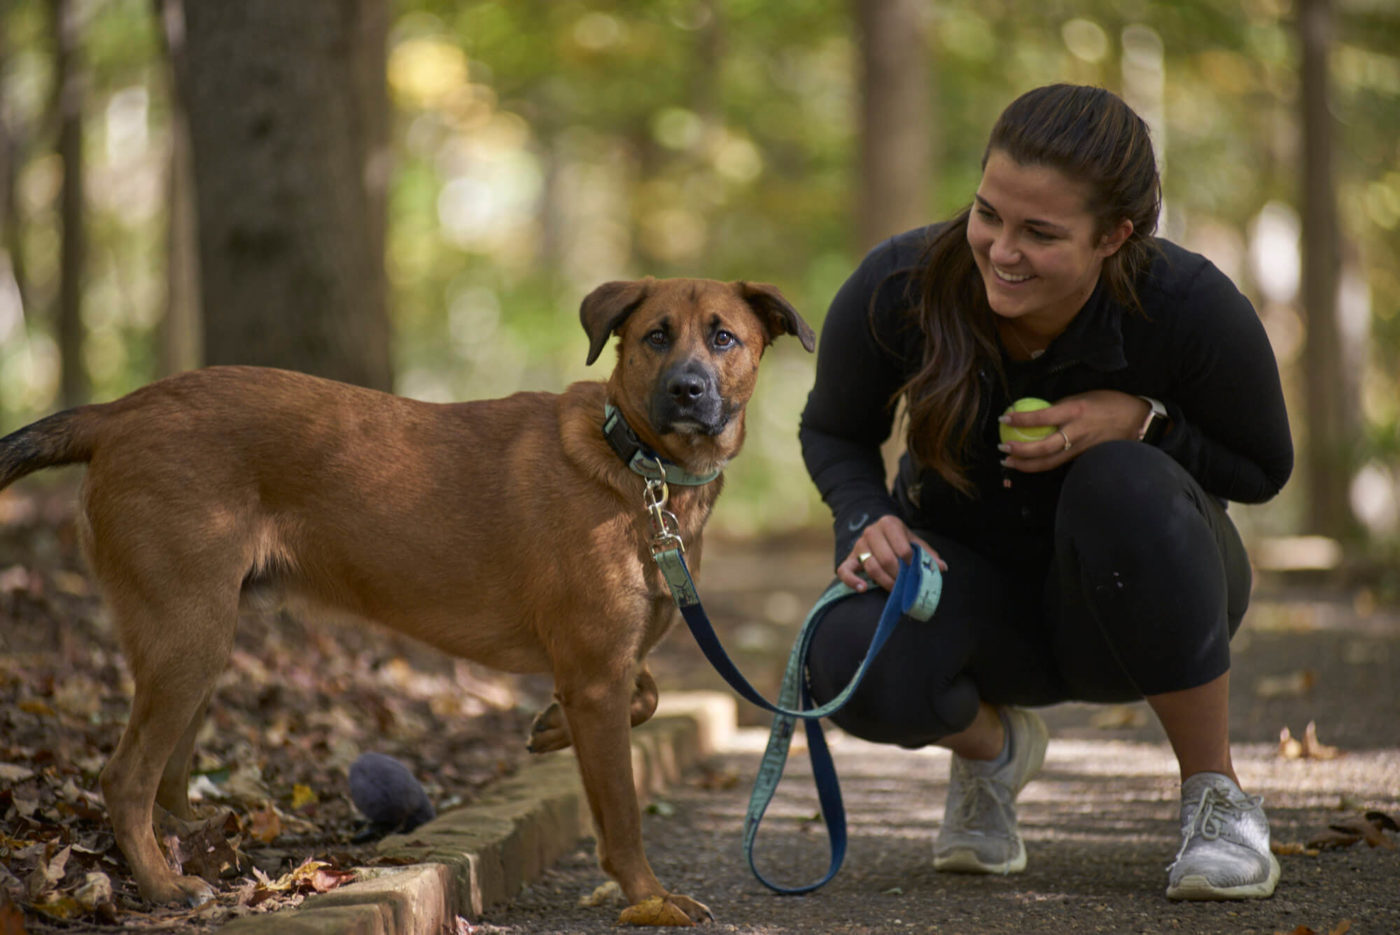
(916,592)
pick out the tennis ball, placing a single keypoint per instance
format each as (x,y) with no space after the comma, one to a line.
(1029,433)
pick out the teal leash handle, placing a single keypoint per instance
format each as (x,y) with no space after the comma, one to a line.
(916,592)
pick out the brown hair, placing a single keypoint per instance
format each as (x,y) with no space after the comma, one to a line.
(1091,136)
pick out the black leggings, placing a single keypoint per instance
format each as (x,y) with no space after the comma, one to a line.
(1147,584)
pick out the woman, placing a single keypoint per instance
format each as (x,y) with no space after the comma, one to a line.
(1096,563)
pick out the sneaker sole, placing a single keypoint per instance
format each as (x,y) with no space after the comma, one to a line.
(965,860)
(1197,887)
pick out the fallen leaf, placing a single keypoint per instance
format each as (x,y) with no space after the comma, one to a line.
(246,785)
(265,826)
(95,890)
(1314,749)
(1288,848)
(1291,685)
(1370,827)
(302,795)
(203,848)
(58,906)
(1383,821)
(1309,748)
(1329,840)
(654,911)
(49,872)
(718,780)
(36,706)
(606,893)
(1119,716)
(1364,829)
(71,583)
(13,772)
(1289,747)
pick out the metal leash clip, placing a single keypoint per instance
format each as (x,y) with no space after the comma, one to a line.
(664,525)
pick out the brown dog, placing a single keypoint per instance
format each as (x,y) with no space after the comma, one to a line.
(507,531)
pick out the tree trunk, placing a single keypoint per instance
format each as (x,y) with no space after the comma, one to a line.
(287,110)
(11,149)
(1330,407)
(69,93)
(895,125)
(182,327)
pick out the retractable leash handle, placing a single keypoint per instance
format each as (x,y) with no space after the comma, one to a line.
(915,594)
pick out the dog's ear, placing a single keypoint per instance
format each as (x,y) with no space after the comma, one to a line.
(776,312)
(605,309)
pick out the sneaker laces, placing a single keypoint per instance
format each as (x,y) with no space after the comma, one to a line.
(1214,812)
(981,795)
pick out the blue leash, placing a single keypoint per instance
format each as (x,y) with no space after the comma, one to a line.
(915,594)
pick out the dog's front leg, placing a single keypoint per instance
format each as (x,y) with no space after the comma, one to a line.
(597,714)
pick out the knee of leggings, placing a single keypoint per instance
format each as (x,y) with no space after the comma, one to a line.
(1120,479)
(898,702)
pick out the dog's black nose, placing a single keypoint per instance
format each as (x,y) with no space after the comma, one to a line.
(686,387)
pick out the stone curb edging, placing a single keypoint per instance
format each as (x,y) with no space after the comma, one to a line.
(475,857)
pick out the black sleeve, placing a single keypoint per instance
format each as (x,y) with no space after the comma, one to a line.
(1229,425)
(849,411)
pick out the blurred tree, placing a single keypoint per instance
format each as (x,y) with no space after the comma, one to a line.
(1331,396)
(70,91)
(182,326)
(895,119)
(287,114)
(11,156)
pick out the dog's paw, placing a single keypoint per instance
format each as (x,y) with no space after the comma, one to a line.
(188,891)
(550,731)
(672,909)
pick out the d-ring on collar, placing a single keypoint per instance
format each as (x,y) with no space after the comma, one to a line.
(641,460)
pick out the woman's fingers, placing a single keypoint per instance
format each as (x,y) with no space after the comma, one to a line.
(877,554)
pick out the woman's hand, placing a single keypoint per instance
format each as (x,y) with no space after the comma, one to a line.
(1083,420)
(877,552)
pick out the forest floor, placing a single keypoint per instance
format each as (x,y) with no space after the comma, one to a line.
(301,700)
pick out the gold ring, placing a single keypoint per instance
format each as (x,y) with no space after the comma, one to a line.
(862,558)
(1068,445)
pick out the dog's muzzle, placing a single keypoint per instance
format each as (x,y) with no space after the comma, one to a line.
(688,400)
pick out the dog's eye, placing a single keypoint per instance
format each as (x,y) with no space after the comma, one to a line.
(725,339)
(656,337)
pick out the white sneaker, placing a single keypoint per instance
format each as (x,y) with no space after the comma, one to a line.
(979,833)
(1224,843)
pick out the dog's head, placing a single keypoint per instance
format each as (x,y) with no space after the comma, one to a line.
(688,356)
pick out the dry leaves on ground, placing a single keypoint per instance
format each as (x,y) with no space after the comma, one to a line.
(1370,827)
(1340,929)
(297,705)
(1308,748)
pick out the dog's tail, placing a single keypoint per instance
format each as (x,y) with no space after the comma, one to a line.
(62,438)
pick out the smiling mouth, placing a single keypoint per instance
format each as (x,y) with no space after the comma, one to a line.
(1007,277)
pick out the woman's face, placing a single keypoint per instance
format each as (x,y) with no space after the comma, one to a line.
(1036,243)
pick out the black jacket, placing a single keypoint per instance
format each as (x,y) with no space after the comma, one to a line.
(1200,348)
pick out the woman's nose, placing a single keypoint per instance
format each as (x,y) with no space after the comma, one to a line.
(1004,251)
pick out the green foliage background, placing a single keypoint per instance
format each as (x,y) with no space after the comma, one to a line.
(542,147)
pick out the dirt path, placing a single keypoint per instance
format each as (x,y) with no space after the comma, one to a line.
(1099,821)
